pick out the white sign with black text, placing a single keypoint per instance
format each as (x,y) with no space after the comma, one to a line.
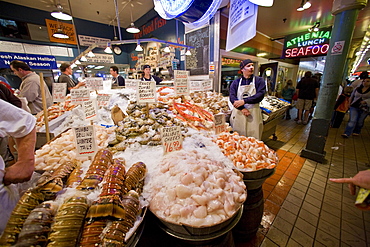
(85,140)
(59,92)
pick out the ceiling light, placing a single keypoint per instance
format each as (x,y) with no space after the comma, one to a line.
(315,27)
(132,29)
(73,65)
(167,49)
(108,49)
(138,47)
(60,34)
(300,8)
(99,67)
(307,5)
(262,54)
(83,59)
(90,54)
(60,14)
(188,53)
(264,3)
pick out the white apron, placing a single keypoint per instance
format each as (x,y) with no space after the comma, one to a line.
(253,124)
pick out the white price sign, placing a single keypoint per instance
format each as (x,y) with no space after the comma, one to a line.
(171,139)
(131,83)
(94,83)
(79,95)
(85,140)
(89,108)
(207,85)
(195,86)
(59,92)
(146,92)
(220,123)
(103,99)
(181,82)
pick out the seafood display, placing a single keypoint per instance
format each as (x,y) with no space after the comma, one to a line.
(247,153)
(142,125)
(198,191)
(272,103)
(63,149)
(54,111)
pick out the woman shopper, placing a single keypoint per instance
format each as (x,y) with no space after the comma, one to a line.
(287,94)
(360,103)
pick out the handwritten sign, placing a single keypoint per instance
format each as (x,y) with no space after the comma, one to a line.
(85,140)
(181,82)
(207,85)
(59,92)
(79,95)
(131,83)
(94,83)
(89,107)
(195,86)
(103,99)
(171,139)
(220,123)
(146,92)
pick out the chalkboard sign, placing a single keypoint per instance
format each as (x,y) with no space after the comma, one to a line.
(197,63)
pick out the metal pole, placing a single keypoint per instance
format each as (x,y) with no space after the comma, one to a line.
(118,24)
(345,20)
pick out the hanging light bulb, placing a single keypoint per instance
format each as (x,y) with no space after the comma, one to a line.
(108,49)
(60,14)
(188,53)
(316,27)
(83,59)
(300,8)
(167,49)
(307,4)
(132,29)
(90,54)
(264,3)
(59,34)
(138,47)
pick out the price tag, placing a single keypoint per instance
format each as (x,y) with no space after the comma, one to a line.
(220,123)
(103,99)
(94,83)
(146,92)
(85,140)
(59,92)
(79,95)
(171,139)
(89,107)
(195,86)
(181,82)
(131,83)
(207,85)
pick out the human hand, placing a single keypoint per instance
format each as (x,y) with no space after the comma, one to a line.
(19,172)
(361,179)
(238,103)
(246,112)
(81,83)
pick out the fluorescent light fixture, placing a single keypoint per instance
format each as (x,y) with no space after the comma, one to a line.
(77,62)
(99,67)
(60,14)
(132,29)
(90,54)
(138,47)
(83,59)
(188,53)
(307,4)
(60,34)
(90,66)
(261,54)
(167,49)
(264,3)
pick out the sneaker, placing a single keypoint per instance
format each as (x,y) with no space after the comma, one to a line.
(344,136)
(299,121)
(355,134)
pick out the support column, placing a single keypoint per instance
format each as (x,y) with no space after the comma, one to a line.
(346,12)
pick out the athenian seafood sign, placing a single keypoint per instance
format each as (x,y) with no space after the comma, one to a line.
(307,44)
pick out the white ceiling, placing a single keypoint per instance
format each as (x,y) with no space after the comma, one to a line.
(270,20)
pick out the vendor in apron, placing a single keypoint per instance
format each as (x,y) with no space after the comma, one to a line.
(245,95)
(148,77)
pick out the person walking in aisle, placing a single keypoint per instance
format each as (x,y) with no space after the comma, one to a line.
(359,109)
(65,77)
(117,79)
(341,107)
(307,91)
(287,94)
(245,95)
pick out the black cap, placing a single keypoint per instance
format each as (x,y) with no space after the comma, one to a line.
(146,66)
(245,62)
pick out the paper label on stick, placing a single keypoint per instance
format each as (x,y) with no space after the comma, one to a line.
(79,95)
(59,92)
(103,99)
(85,140)
(131,83)
(171,139)
(146,92)
(89,107)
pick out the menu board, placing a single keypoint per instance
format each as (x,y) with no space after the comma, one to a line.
(198,62)
(59,92)
(85,140)
(181,82)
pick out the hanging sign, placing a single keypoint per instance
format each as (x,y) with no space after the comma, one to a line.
(79,95)
(171,139)
(103,99)
(307,44)
(67,28)
(181,82)
(34,61)
(59,92)
(220,123)
(89,108)
(85,140)
(94,83)
(90,40)
(146,92)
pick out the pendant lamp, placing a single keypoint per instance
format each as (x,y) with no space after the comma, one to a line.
(60,14)
(59,34)
(264,3)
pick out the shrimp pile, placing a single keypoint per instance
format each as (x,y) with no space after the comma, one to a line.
(247,153)
(197,191)
(54,111)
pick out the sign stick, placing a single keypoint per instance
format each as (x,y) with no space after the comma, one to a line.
(44,106)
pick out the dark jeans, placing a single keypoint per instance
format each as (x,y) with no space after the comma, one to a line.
(337,119)
(356,121)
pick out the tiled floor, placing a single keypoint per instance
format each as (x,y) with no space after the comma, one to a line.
(302,207)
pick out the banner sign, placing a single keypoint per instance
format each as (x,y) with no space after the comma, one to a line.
(34,61)
(307,44)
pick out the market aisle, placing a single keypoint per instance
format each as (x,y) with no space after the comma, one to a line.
(303,208)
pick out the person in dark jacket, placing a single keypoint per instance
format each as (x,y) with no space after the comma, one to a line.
(287,94)
(148,77)
(117,79)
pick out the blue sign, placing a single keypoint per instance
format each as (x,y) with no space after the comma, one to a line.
(34,61)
